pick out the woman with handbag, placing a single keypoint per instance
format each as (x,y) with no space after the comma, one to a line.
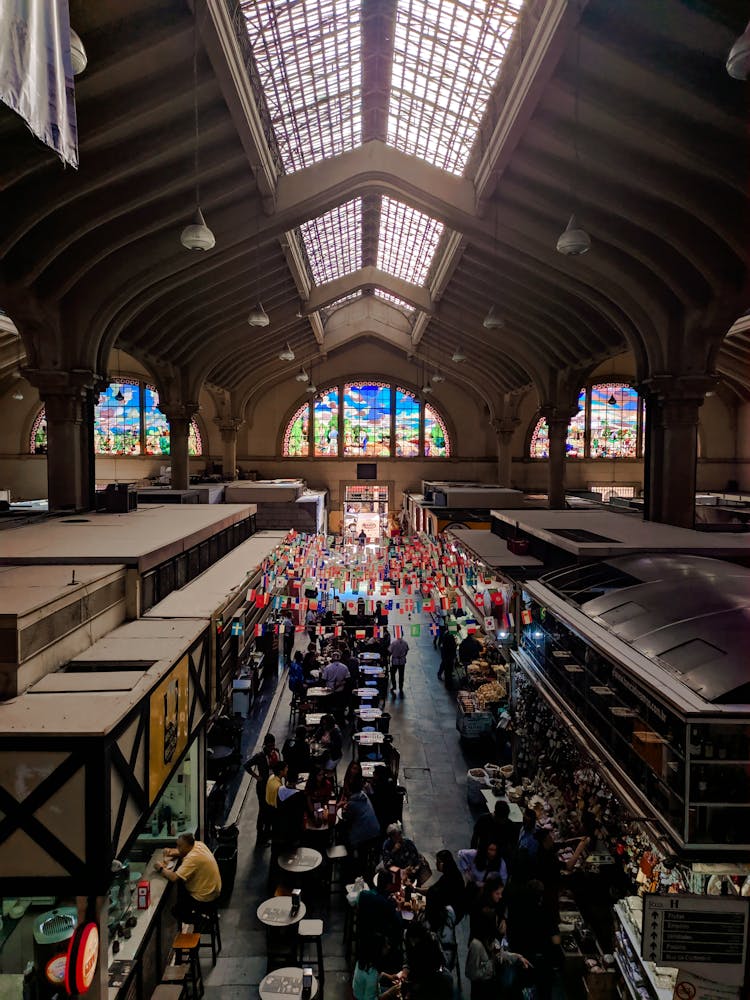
(487,960)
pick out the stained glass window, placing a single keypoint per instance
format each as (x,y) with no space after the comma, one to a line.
(39,434)
(326,423)
(367,419)
(195,441)
(436,443)
(575,446)
(296,437)
(155,423)
(117,422)
(539,447)
(407,424)
(614,421)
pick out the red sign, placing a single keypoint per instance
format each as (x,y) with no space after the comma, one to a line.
(83,954)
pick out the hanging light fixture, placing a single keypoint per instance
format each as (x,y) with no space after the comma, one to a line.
(302,376)
(492,321)
(258,316)
(574,241)
(738,60)
(426,389)
(17,395)
(196,236)
(437,377)
(287,354)
(78,57)
(458,356)
(612,401)
(119,397)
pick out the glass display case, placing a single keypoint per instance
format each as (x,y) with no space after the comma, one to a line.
(693,771)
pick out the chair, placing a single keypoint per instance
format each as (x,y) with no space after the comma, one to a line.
(207,924)
(187,946)
(176,978)
(168,992)
(311,932)
(336,855)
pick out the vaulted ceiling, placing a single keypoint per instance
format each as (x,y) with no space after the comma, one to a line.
(439,201)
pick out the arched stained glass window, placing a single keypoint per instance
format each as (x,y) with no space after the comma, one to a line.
(117,422)
(539,447)
(614,420)
(575,446)
(131,426)
(326,423)
(297,434)
(367,419)
(407,424)
(371,412)
(435,435)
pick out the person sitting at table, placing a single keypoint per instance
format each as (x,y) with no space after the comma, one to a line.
(427,977)
(296,752)
(377,913)
(352,773)
(385,797)
(310,661)
(276,780)
(489,903)
(448,891)
(290,816)
(296,676)
(478,864)
(318,793)
(363,829)
(369,975)
(329,736)
(398,851)
(197,876)
(486,959)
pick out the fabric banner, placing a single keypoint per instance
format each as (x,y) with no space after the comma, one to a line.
(36,73)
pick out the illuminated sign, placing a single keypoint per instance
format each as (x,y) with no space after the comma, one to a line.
(83,954)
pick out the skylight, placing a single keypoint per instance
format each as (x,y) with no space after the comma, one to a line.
(334,242)
(309,62)
(407,241)
(338,303)
(394,300)
(446,60)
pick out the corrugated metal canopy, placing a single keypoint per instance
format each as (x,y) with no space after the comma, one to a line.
(688,613)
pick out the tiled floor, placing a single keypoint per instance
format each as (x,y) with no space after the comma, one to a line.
(436,815)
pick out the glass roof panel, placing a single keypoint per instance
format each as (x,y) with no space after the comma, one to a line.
(334,242)
(446,60)
(394,300)
(309,62)
(343,301)
(407,241)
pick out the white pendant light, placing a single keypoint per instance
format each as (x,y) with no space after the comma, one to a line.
(287,354)
(312,388)
(738,60)
(17,395)
(437,378)
(258,315)
(492,321)
(458,356)
(426,389)
(573,241)
(302,376)
(197,236)
(78,57)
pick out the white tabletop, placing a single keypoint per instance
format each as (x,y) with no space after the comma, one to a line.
(368,738)
(284,983)
(370,657)
(318,692)
(304,859)
(366,692)
(313,718)
(277,912)
(515,815)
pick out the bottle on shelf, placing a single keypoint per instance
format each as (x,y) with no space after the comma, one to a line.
(696,743)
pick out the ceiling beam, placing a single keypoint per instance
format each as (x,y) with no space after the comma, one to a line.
(368,279)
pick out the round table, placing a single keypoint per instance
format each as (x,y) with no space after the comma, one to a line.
(277,912)
(303,860)
(318,692)
(283,984)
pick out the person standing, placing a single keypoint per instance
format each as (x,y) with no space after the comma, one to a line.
(259,767)
(311,623)
(398,650)
(447,657)
(287,624)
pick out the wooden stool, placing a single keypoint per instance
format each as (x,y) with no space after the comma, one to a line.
(208,924)
(188,945)
(336,855)
(312,931)
(163,992)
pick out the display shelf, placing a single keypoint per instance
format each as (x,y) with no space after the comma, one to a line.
(648,968)
(626,978)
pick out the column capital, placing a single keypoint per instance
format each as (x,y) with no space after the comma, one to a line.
(228,425)
(63,392)
(558,416)
(504,427)
(687,388)
(174,411)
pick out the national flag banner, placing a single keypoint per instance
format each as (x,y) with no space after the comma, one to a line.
(459,602)
(453,626)
(416,630)
(261,600)
(497,598)
(359,633)
(390,604)
(471,629)
(398,632)
(434,630)
(526,616)
(489,624)
(277,602)
(251,596)
(429,605)
(351,605)
(408,605)
(299,628)
(444,604)
(320,630)
(276,629)
(337,630)
(376,630)
(312,604)
(259,630)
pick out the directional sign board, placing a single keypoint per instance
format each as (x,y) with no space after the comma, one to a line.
(694,932)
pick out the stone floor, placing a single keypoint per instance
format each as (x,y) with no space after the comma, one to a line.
(433,770)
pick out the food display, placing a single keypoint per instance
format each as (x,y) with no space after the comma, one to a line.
(490,694)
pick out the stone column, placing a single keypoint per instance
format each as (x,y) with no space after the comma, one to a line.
(504,430)
(179,416)
(68,399)
(674,407)
(228,430)
(558,436)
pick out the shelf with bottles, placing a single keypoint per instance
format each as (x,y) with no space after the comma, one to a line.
(658,982)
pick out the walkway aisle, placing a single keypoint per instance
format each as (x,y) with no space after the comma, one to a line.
(433,770)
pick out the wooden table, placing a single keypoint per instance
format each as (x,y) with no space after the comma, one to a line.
(284,984)
(277,912)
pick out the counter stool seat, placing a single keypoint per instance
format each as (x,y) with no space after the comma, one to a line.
(163,992)
(311,932)
(188,946)
(337,854)
(207,924)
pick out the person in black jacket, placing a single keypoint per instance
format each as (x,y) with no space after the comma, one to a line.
(296,752)
(469,650)
(386,798)
(447,644)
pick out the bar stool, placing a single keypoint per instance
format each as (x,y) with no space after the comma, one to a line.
(188,946)
(208,924)
(309,932)
(163,992)
(178,977)
(337,854)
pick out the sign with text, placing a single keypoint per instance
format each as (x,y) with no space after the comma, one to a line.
(168,726)
(694,932)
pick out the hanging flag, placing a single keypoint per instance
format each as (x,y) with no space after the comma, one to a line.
(398,631)
(444,603)
(337,630)
(250,596)
(416,630)
(428,605)
(376,631)
(259,628)
(238,627)
(471,629)
(320,630)
(526,616)
(434,630)
(489,624)
(299,628)
(359,633)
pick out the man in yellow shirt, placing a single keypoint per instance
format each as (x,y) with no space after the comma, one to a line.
(197,876)
(274,783)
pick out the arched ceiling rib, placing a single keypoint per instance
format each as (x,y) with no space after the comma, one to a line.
(631,118)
